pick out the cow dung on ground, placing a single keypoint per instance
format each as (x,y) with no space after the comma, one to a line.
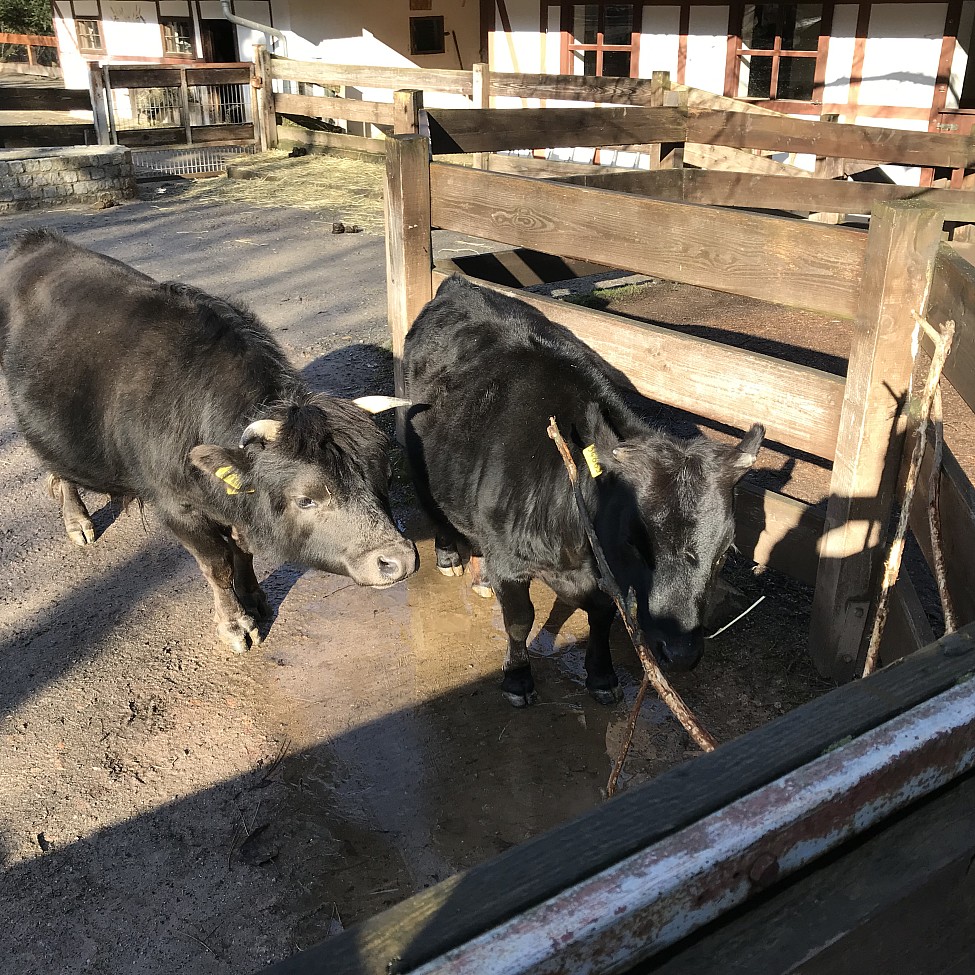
(168,806)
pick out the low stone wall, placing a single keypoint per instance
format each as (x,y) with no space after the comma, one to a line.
(32,178)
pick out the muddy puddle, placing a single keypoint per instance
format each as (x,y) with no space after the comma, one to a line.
(408,765)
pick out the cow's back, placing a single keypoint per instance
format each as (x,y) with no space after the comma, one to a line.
(114,376)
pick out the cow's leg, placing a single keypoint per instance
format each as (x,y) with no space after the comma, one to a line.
(601,680)
(480,580)
(214,554)
(518,686)
(445,544)
(77,521)
(246,586)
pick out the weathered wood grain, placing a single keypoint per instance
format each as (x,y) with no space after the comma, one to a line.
(953,298)
(355,76)
(325,106)
(773,259)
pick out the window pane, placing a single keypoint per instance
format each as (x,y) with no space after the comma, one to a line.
(801,29)
(616,64)
(585,23)
(589,62)
(177,37)
(796,77)
(756,77)
(759,26)
(618,28)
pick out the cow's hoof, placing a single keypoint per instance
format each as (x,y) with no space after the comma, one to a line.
(483,590)
(607,695)
(239,635)
(518,687)
(449,563)
(81,531)
(256,604)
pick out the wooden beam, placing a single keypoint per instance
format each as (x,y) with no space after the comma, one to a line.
(663,184)
(781,133)
(897,272)
(550,168)
(738,160)
(99,104)
(330,140)
(798,405)
(335,75)
(408,243)
(585,88)
(25,99)
(774,259)
(326,106)
(407,106)
(816,195)
(476,130)
(266,120)
(953,298)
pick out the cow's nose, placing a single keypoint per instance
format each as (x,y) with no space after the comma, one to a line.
(393,567)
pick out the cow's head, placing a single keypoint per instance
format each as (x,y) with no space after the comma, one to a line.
(311,482)
(668,529)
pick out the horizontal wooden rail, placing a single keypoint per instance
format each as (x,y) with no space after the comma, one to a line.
(816,195)
(330,140)
(323,106)
(488,130)
(29,40)
(17,99)
(357,76)
(586,88)
(140,76)
(738,160)
(175,135)
(953,298)
(773,259)
(781,133)
(799,406)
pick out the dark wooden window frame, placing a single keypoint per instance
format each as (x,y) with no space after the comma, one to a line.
(570,46)
(736,52)
(189,55)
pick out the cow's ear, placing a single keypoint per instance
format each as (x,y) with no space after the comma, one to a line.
(744,455)
(230,467)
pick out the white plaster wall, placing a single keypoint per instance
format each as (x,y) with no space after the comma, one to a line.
(660,41)
(839,57)
(903,47)
(707,48)
(959,60)
(73,63)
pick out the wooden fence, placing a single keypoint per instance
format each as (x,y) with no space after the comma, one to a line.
(877,279)
(36,50)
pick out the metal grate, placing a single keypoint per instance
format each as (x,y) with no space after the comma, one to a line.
(192,161)
(147,108)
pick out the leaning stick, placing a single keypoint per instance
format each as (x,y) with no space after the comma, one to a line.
(895,553)
(934,516)
(610,586)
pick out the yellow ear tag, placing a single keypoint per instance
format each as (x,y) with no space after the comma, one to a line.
(592,460)
(231,478)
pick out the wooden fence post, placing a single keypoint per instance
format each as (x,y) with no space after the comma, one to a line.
(267,121)
(409,268)
(481,97)
(659,86)
(672,154)
(99,103)
(828,168)
(407,106)
(899,265)
(184,106)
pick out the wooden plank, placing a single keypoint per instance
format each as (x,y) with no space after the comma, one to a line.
(562,87)
(957,530)
(409,249)
(700,99)
(265,121)
(330,140)
(15,99)
(781,133)
(184,107)
(664,184)
(953,298)
(125,76)
(335,75)
(476,130)
(816,195)
(229,132)
(798,405)
(169,135)
(547,168)
(899,264)
(516,268)
(455,910)
(770,258)
(99,104)
(231,74)
(898,901)
(737,160)
(320,106)
(407,106)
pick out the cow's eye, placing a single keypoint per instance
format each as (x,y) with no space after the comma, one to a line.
(306,503)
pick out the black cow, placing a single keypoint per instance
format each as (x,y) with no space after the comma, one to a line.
(485,372)
(166,394)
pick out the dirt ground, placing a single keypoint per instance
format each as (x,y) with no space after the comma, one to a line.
(166,806)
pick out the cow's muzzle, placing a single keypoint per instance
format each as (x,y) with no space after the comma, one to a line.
(385,566)
(675,649)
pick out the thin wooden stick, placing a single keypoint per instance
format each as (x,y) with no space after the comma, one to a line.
(895,552)
(627,738)
(934,515)
(609,585)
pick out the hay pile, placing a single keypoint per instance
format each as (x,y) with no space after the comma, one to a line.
(349,190)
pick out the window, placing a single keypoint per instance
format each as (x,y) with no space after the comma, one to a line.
(778,51)
(177,35)
(426,35)
(600,39)
(89,35)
